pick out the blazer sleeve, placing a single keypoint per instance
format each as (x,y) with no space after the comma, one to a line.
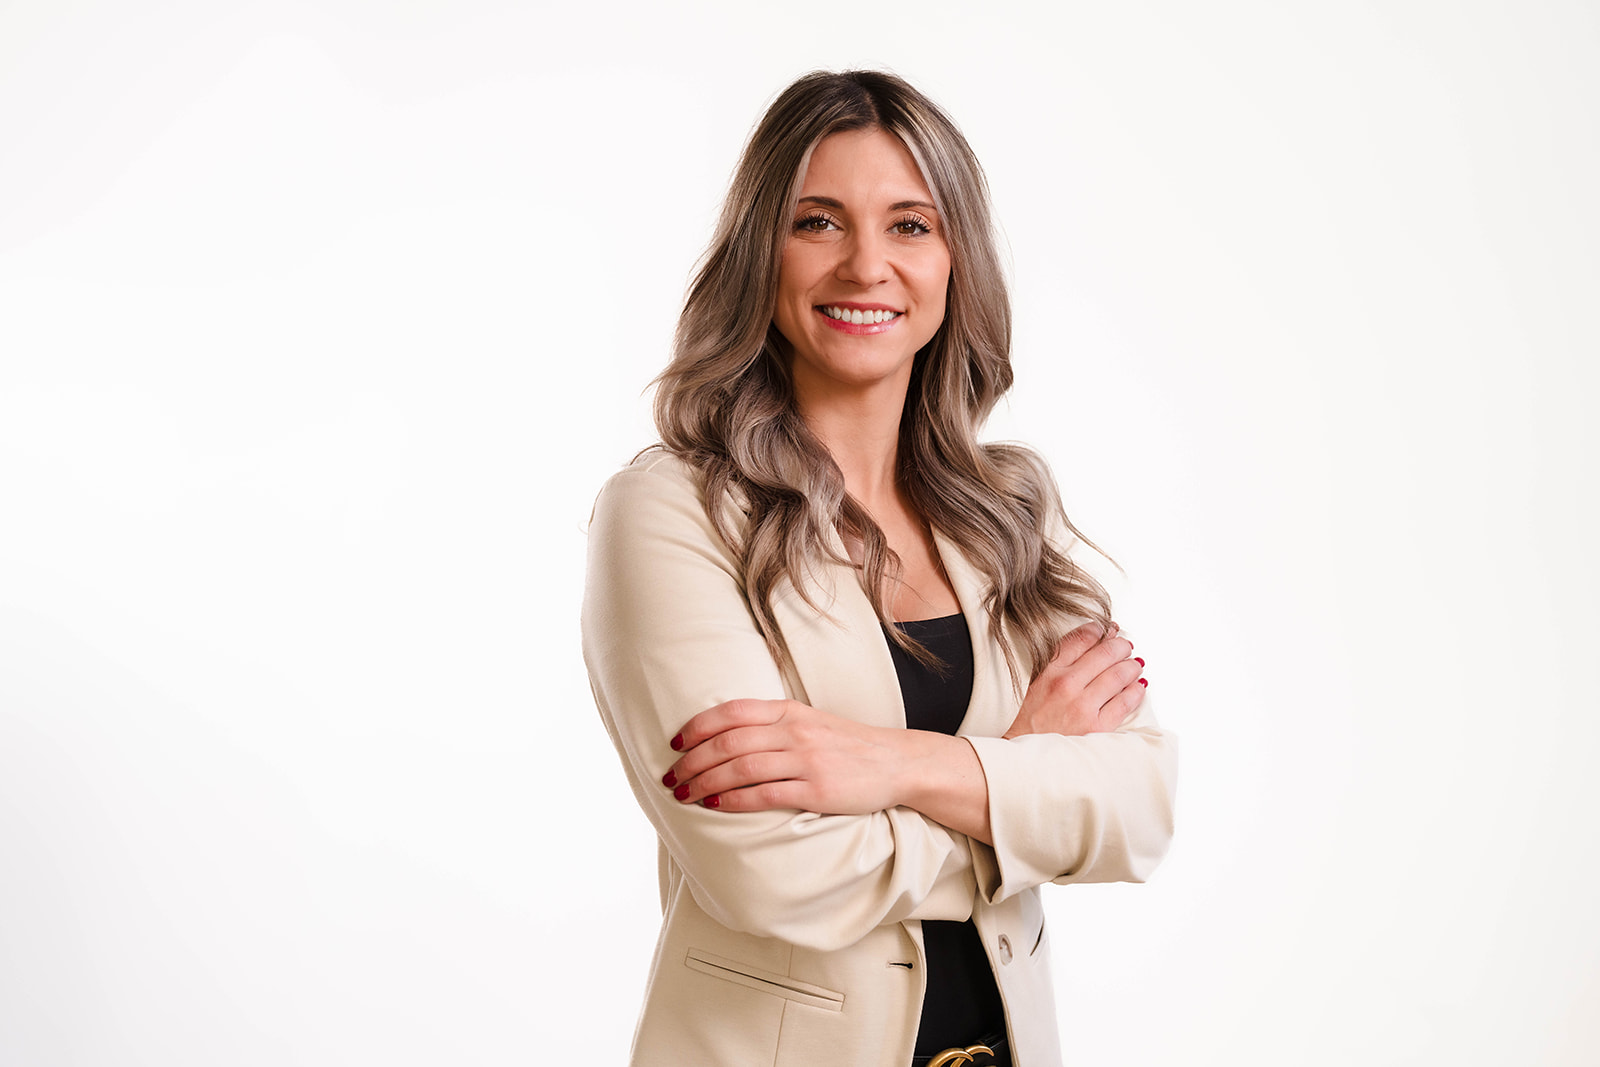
(667,633)
(1096,808)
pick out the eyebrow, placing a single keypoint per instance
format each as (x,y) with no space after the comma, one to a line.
(838,205)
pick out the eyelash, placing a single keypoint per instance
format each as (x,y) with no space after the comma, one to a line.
(806,223)
(921,227)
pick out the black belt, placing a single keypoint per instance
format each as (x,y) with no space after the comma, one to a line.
(990,1052)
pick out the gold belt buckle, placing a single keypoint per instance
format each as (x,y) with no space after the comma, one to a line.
(950,1057)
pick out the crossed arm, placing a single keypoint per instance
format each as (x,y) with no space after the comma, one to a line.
(844,827)
(757,755)
(666,633)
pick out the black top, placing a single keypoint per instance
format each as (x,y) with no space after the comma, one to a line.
(962,1002)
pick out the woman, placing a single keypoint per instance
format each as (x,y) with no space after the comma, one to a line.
(819,556)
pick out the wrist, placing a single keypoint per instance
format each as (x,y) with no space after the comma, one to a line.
(927,760)
(942,778)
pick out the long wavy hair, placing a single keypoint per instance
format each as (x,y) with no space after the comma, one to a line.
(725,403)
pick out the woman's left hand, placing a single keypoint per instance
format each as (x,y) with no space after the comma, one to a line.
(755,755)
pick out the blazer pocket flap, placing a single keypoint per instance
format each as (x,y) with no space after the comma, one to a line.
(778,985)
(1038,940)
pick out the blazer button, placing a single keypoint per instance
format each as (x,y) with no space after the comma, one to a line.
(1005,949)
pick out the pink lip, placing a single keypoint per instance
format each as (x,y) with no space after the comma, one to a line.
(862,328)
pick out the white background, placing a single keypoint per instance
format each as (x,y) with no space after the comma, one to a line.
(321,324)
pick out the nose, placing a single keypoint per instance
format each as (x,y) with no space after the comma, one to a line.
(865,259)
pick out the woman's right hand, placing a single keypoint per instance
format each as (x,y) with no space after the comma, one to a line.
(1092,685)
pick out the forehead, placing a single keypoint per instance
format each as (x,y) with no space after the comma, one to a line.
(867,165)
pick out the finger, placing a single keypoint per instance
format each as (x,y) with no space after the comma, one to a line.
(720,748)
(1075,643)
(727,716)
(767,796)
(755,769)
(1113,680)
(1117,711)
(1097,660)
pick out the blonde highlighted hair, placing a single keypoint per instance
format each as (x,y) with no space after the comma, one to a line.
(725,403)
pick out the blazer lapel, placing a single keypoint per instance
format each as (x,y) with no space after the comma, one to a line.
(841,657)
(994,705)
(840,653)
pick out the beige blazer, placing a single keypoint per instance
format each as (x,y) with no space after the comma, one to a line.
(791,938)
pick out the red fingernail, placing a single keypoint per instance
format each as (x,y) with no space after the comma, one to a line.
(1137,659)
(1144,683)
(682,792)
(669,779)
(712,801)
(677,743)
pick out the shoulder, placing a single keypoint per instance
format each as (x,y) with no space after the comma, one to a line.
(1024,485)
(653,550)
(1021,474)
(659,495)
(655,469)
(656,482)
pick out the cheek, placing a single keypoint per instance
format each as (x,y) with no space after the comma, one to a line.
(783,312)
(790,282)
(796,271)
(938,287)
(786,277)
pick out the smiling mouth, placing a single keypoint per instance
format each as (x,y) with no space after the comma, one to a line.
(858,317)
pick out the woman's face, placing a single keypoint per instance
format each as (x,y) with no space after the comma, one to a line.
(862,282)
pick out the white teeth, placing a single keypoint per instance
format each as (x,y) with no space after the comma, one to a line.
(857,317)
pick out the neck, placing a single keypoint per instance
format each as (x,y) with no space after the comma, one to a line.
(861,431)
